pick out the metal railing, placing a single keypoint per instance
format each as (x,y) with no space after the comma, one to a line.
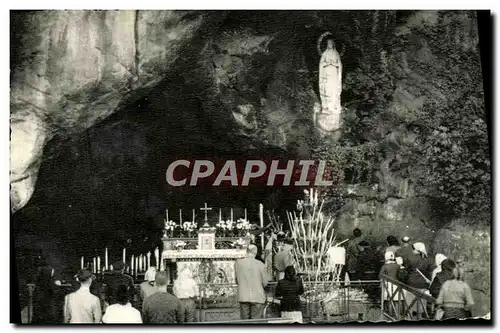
(402,302)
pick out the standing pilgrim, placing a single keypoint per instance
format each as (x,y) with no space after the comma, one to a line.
(330,81)
(283,259)
(81,307)
(251,278)
(114,280)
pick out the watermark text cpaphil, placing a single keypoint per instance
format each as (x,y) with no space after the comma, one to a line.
(244,173)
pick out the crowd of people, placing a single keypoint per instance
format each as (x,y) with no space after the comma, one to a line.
(402,260)
(407,262)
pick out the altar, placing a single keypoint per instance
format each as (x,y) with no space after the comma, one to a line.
(209,253)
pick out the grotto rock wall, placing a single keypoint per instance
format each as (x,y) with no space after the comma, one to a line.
(75,68)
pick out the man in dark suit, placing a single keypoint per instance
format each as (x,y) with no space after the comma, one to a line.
(116,278)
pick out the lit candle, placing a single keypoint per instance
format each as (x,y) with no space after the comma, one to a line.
(106,259)
(81,263)
(193,215)
(98,264)
(180,216)
(149,258)
(124,255)
(157,254)
(231,215)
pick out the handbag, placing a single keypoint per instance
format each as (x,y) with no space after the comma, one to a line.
(402,274)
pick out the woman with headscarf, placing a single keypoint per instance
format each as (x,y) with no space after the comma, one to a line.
(447,267)
(186,289)
(438,260)
(289,289)
(455,297)
(390,268)
(419,271)
(44,307)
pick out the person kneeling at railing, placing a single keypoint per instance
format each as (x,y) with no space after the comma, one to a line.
(289,289)
(455,297)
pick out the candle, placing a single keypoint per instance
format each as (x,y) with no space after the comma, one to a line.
(245,213)
(136,265)
(124,255)
(231,215)
(145,263)
(166,213)
(261,217)
(193,215)
(98,264)
(180,216)
(94,265)
(220,215)
(316,198)
(157,254)
(81,263)
(106,259)
(311,195)
(132,265)
(161,264)
(149,259)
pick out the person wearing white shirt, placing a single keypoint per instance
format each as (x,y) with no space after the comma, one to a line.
(122,312)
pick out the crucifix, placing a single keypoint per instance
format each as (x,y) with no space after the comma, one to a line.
(206,209)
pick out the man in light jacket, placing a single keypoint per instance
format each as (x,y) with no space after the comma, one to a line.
(81,307)
(251,277)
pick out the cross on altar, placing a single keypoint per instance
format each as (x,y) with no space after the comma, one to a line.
(206,209)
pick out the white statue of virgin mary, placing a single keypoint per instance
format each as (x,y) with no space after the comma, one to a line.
(330,79)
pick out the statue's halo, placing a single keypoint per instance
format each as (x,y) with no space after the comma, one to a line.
(330,35)
(320,40)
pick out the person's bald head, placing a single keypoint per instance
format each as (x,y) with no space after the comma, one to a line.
(252,251)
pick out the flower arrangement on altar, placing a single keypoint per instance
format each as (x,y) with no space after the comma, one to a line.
(189,228)
(242,226)
(225,227)
(239,244)
(169,227)
(179,245)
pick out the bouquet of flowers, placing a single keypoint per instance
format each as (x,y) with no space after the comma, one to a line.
(179,245)
(189,227)
(243,226)
(239,244)
(169,227)
(225,227)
